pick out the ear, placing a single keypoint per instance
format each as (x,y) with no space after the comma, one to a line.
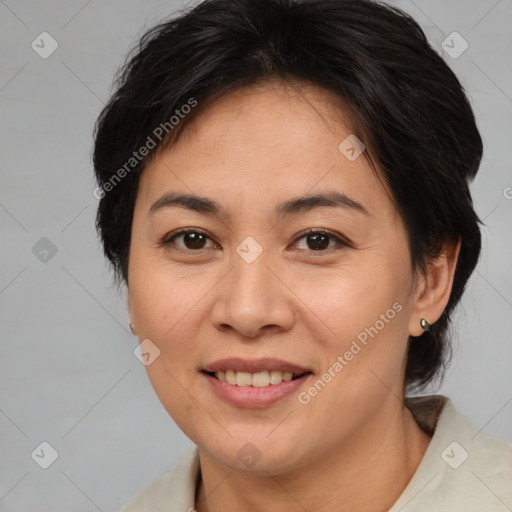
(434,287)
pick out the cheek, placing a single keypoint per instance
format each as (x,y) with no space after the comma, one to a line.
(173,388)
(365,311)
(163,295)
(164,307)
(348,301)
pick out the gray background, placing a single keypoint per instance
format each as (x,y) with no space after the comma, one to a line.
(68,375)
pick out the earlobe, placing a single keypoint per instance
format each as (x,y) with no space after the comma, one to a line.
(434,291)
(425,325)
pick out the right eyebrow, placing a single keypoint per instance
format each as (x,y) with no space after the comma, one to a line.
(191,202)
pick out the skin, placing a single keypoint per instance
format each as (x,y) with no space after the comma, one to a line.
(354,446)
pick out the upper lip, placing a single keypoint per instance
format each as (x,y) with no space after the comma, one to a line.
(255,365)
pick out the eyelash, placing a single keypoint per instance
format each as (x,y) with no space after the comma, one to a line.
(167,240)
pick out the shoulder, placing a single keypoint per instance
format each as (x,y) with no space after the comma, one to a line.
(462,469)
(172,491)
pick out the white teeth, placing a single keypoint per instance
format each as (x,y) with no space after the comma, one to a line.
(258,380)
(243,379)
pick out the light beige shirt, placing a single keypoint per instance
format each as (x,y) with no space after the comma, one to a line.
(463,470)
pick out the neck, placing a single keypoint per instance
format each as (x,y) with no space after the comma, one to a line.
(365,474)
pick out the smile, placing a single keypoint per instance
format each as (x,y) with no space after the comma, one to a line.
(258,379)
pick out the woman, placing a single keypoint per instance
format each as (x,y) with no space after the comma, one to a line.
(284,192)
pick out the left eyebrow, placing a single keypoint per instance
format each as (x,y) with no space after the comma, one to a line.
(292,206)
(331,198)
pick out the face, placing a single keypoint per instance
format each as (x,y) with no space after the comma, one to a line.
(322,286)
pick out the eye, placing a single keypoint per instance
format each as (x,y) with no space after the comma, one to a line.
(319,240)
(193,239)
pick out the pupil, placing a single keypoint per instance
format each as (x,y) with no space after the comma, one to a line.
(317,239)
(194,240)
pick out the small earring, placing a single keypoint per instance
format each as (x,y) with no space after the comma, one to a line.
(132,328)
(425,325)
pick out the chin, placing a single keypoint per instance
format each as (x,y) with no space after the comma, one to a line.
(255,454)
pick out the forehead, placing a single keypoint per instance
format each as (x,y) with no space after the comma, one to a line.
(258,112)
(260,144)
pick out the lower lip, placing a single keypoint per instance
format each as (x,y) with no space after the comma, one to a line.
(250,396)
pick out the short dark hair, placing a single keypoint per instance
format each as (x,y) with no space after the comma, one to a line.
(405,105)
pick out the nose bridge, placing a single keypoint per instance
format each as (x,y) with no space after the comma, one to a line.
(252,296)
(251,286)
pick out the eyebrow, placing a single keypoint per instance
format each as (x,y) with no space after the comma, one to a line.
(292,206)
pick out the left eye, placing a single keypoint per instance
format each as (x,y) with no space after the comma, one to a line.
(195,240)
(319,240)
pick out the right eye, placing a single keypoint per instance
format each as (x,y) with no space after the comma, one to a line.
(193,240)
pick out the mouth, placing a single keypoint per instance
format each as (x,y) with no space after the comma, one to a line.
(259,373)
(254,383)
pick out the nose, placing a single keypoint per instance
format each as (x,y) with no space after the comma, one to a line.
(253,300)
